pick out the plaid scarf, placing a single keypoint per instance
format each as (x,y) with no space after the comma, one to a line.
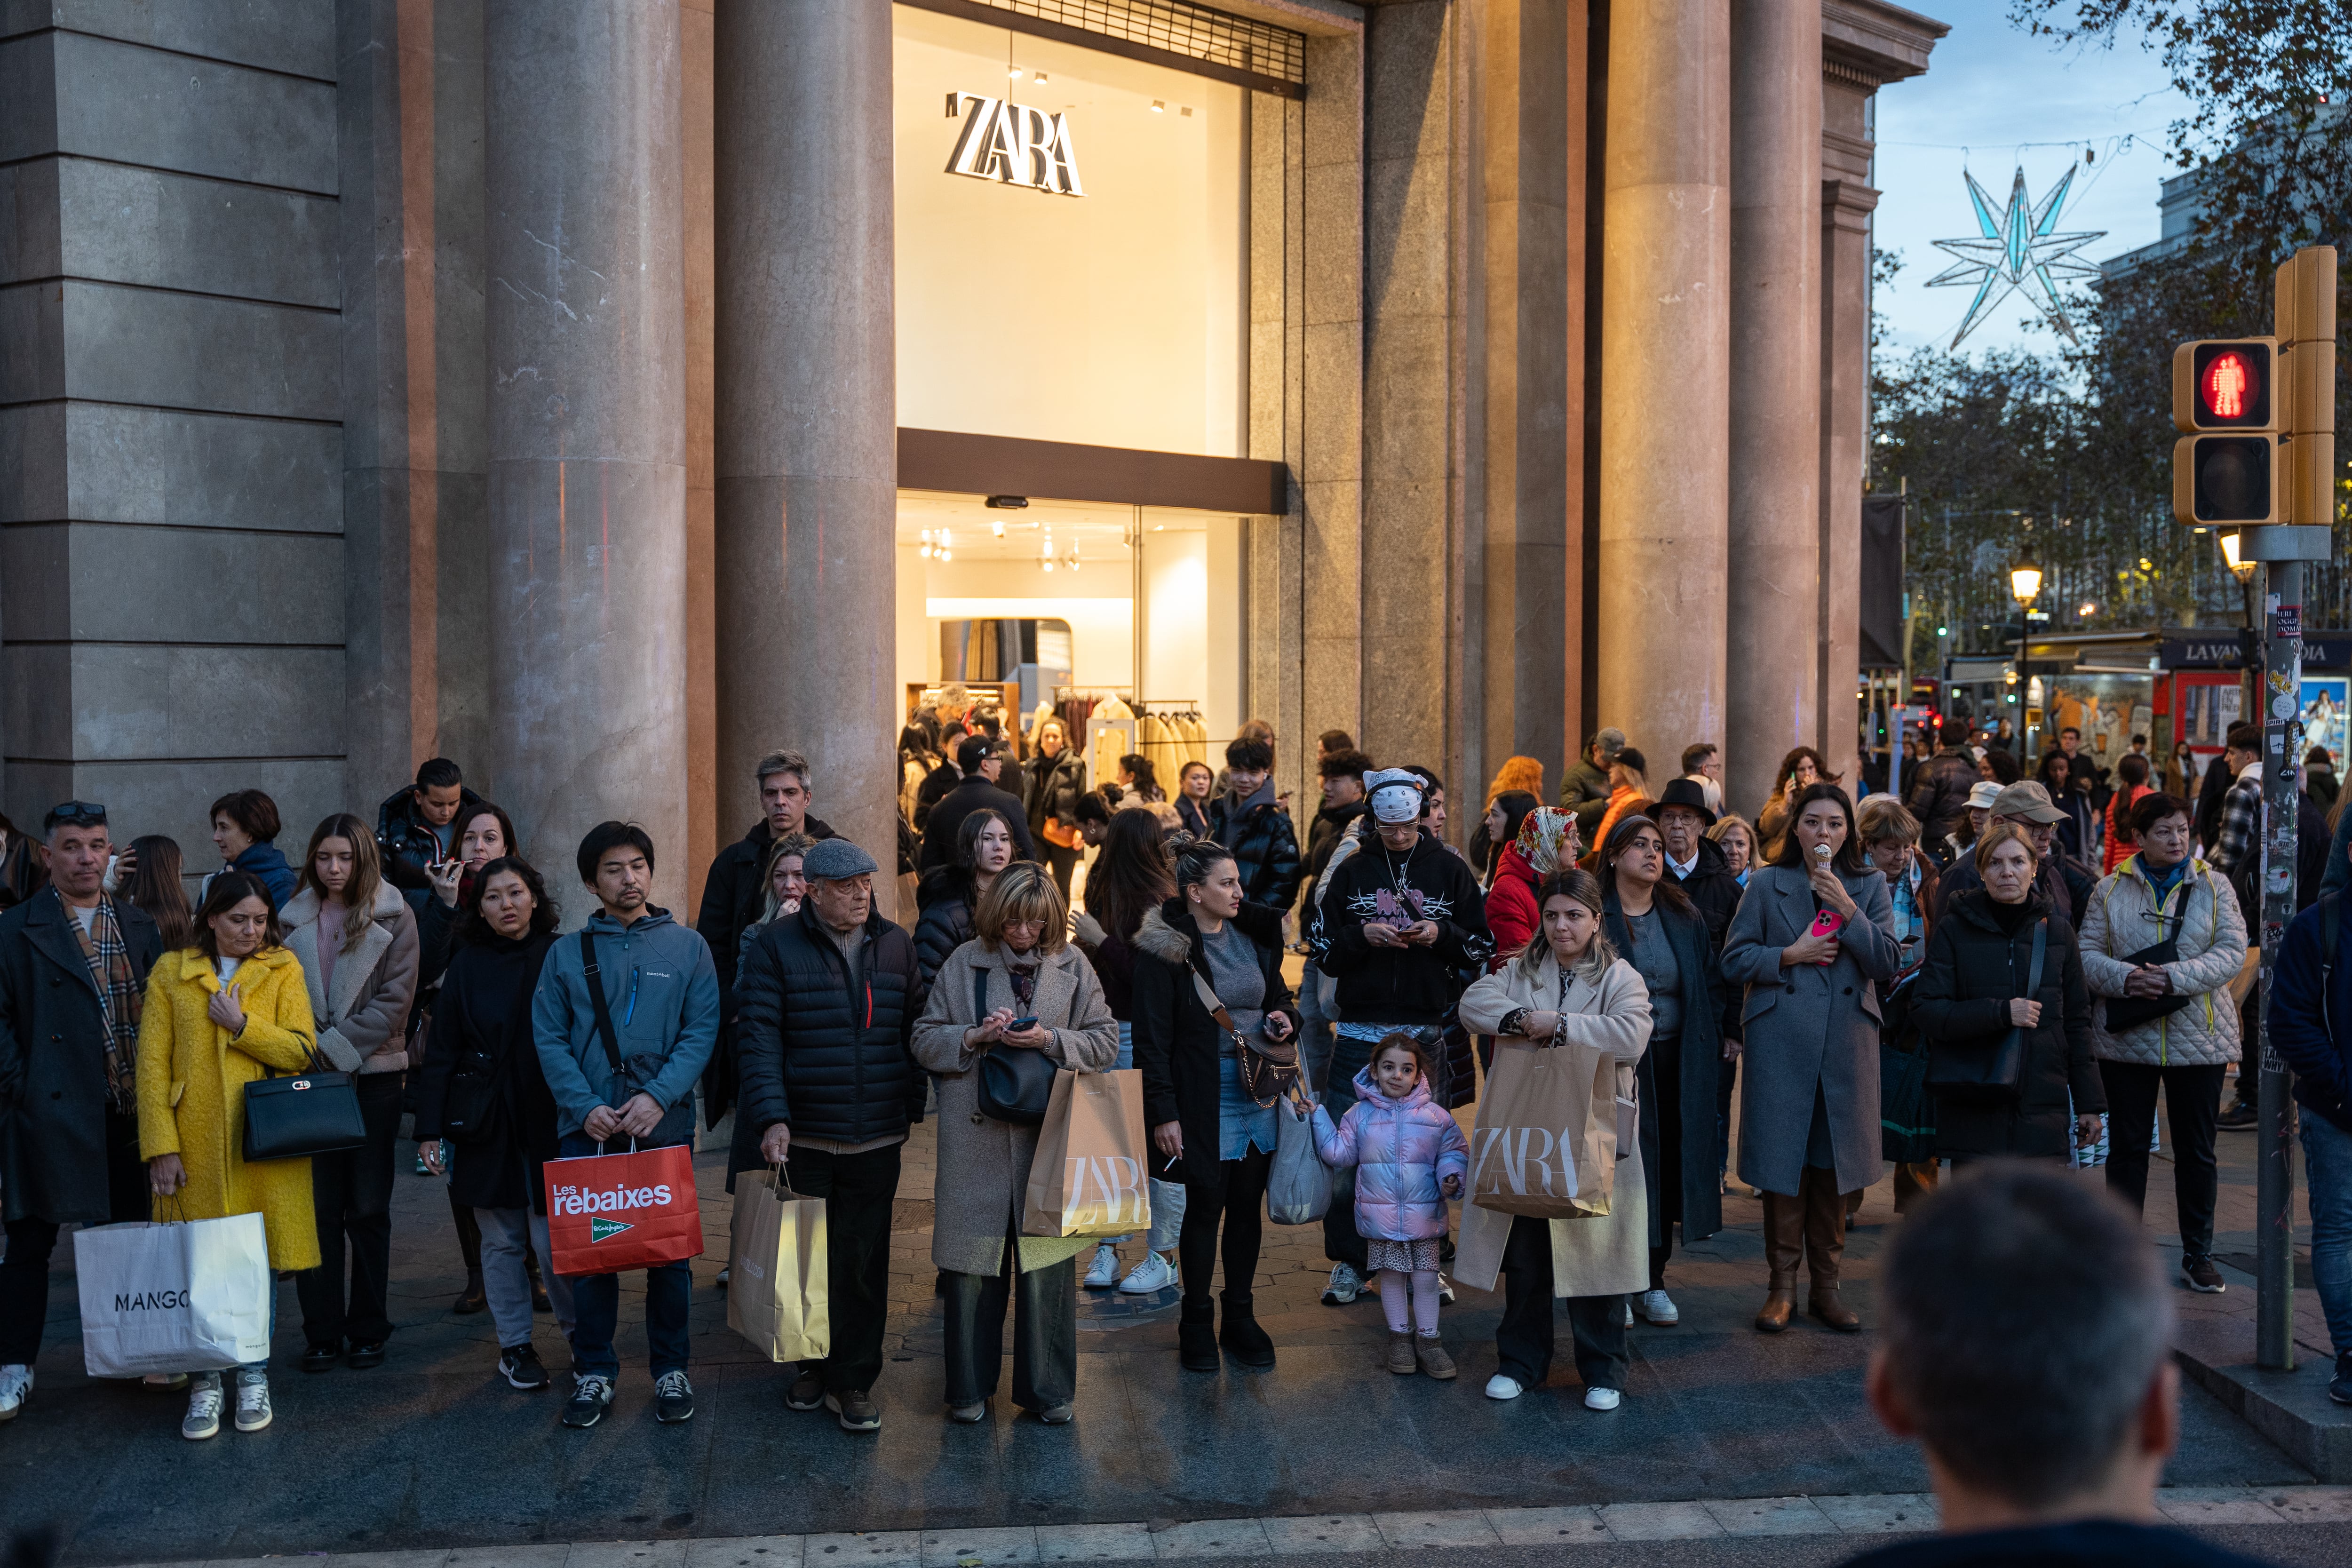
(108,957)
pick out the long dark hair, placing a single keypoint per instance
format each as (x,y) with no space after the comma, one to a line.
(228,889)
(544,916)
(1849,856)
(468,815)
(1131,874)
(1668,891)
(1516,804)
(156,891)
(976,823)
(1788,766)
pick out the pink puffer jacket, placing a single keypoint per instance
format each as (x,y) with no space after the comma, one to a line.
(1401,1149)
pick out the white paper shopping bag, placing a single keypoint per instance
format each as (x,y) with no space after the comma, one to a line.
(190,1295)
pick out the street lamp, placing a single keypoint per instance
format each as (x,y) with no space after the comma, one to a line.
(2025,587)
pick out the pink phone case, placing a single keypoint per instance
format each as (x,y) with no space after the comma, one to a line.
(1827,923)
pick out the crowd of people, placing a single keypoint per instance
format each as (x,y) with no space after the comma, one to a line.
(1959,969)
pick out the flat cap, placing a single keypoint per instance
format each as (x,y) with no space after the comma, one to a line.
(834,860)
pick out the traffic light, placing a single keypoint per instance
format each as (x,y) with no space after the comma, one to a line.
(2227,469)
(2306,324)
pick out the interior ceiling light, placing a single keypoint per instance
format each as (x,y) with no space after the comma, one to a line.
(1015,73)
(1158,107)
(997,525)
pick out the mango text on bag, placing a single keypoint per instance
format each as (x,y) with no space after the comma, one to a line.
(150,1300)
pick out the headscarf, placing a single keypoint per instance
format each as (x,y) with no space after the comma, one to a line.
(1544,838)
(1395,793)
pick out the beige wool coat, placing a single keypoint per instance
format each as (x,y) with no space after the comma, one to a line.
(983,1173)
(1608,1254)
(362,1017)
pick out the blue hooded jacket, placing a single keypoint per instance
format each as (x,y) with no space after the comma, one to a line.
(663,991)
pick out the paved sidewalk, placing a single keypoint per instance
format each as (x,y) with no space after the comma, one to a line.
(431,1453)
(1322,1534)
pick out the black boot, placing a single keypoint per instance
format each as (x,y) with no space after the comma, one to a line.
(473,1301)
(1196,1337)
(1249,1345)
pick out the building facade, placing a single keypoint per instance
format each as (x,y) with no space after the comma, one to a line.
(603,393)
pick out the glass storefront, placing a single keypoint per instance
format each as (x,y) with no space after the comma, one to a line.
(1070,253)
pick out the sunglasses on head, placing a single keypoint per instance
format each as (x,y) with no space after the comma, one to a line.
(77,814)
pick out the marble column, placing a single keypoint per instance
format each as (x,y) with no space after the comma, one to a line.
(1845,346)
(1774,584)
(587,417)
(807,413)
(1665,348)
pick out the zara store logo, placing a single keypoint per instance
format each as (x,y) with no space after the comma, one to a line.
(1014,144)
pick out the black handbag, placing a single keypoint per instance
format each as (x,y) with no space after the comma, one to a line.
(2131,1012)
(316,1112)
(470,1096)
(1994,1074)
(1016,1082)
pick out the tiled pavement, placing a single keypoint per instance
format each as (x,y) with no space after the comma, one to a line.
(430,1453)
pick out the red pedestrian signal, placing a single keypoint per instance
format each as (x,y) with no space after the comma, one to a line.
(2223,385)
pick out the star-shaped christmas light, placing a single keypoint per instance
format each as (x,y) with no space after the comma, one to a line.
(2017,252)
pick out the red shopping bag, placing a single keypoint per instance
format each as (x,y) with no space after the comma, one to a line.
(610,1212)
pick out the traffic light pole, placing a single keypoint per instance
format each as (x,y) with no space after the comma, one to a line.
(2281,699)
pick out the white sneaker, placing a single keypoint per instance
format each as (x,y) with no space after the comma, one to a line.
(16,1387)
(202,1419)
(1601,1398)
(253,1411)
(1103,1273)
(1657,1308)
(1626,1307)
(1152,1275)
(1445,1291)
(1501,1387)
(1344,1287)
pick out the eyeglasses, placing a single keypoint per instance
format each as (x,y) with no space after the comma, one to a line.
(77,814)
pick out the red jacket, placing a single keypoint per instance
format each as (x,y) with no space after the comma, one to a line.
(1511,912)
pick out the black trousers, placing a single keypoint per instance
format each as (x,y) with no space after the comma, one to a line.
(1061,861)
(351,1193)
(859,1191)
(1044,1331)
(1237,1207)
(1341,1241)
(1523,1340)
(2194,1097)
(25,1272)
(1665,1105)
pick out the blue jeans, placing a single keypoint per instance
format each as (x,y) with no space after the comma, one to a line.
(1314,1028)
(1167,1197)
(2327,1172)
(596,1304)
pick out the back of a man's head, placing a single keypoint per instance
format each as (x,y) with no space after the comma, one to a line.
(2025,1323)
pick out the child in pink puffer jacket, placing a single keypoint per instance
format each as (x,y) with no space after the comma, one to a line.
(1410,1157)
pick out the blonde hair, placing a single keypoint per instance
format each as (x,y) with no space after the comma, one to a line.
(2002,830)
(1023,890)
(1883,817)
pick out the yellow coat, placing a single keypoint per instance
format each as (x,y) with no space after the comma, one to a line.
(192,1081)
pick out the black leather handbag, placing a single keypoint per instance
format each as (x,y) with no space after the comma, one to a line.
(1995,1074)
(295,1117)
(1016,1082)
(2130,1012)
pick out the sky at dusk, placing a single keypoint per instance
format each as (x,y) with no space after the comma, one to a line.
(1996,93)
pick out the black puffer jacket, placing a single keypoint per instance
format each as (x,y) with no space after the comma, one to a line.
(1050,788)
(404,844)
(826,1058)
(946,898)
(1960,1005)
(1264,846)
(1940,794)
(1176,1043)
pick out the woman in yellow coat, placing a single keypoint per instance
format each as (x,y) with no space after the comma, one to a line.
(218,1015)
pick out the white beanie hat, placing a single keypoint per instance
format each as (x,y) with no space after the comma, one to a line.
(1396,794)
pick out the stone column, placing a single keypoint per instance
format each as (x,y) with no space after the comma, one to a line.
(1774,583)
(1845,339)
(587,463)
(1665,348)
(807,412)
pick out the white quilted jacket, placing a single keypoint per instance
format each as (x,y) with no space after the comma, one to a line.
(2119,920)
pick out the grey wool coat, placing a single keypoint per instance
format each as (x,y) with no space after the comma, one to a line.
(983,1173)
(1807,1027)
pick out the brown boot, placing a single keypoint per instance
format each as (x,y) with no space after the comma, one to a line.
(1433,1358)
(1825,1220)
(1784,1244)
(1401,1357)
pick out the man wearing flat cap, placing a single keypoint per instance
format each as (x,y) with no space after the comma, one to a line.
(2028,806)
(829,998)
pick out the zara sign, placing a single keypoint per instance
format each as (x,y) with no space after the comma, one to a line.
(1014,144)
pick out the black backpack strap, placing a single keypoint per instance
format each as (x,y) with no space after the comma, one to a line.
(596,998)
(2041,949)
